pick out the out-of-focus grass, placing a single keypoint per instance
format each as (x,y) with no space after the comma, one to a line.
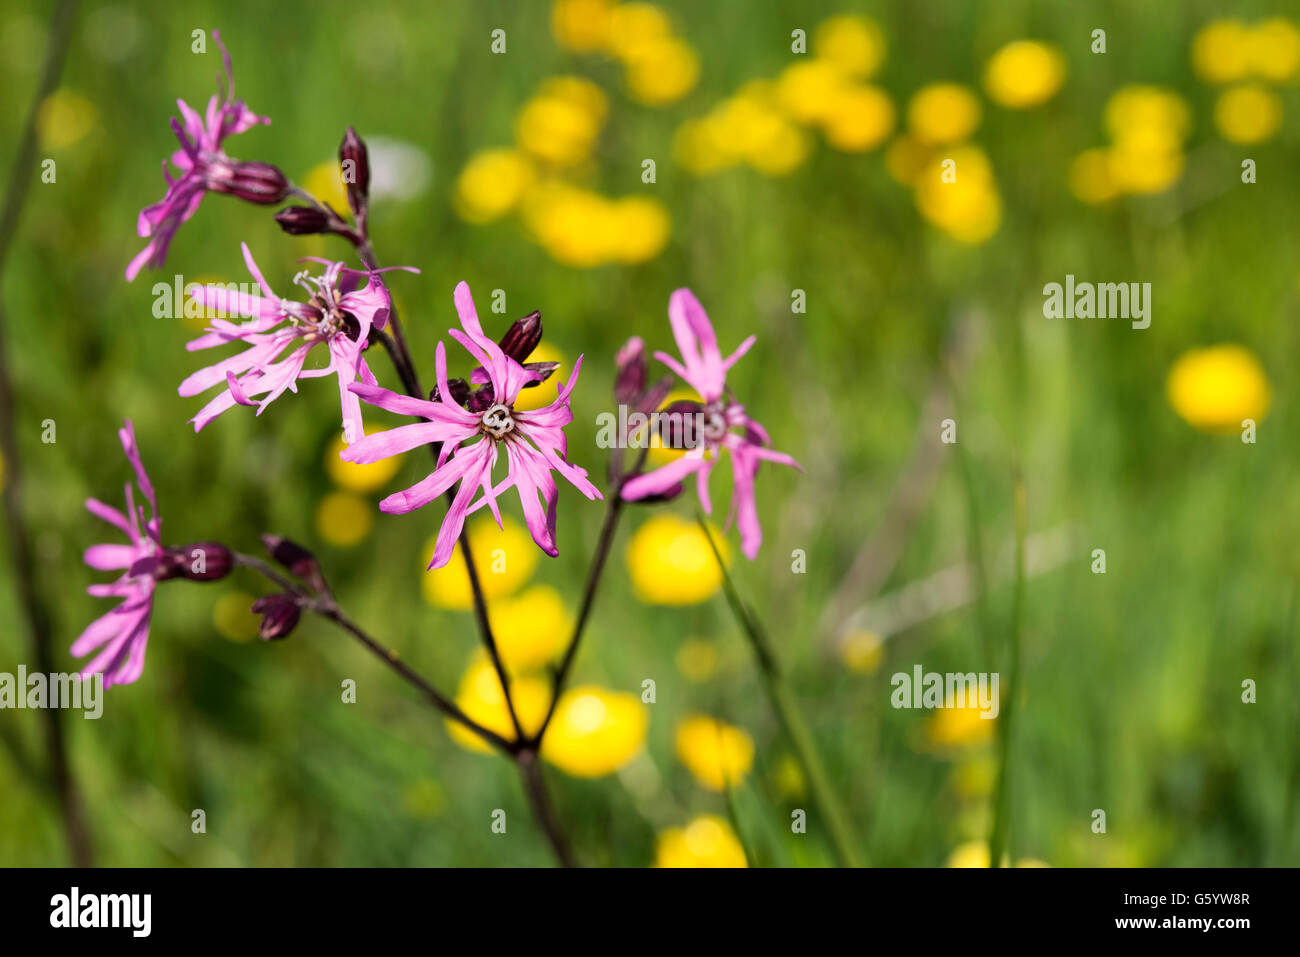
(1131,680)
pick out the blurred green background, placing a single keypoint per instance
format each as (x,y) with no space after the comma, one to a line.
(1132,680)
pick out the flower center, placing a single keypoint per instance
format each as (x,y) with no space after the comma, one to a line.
(497,421)
(714,422)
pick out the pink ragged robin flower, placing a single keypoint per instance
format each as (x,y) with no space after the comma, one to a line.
(533,441)
(204,166)
(725,424)
(339,315)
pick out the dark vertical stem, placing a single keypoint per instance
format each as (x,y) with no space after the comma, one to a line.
(20,540)
(530,769)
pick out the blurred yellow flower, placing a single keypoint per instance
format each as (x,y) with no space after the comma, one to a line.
(1141,167)
(942,113)
(1274,50)
(632,26)
(860,118)
(355,477)
(344,519)
(1217,387)
(531,629)
(959,726)
(544,393)
(788,778)
(853,43)
(575,226)
(806,90)
(581,25)
(1024,74)
(708,841)
(579,91)
(1147,117)
(643,227)
(976,854)
(752,128)
(504,558)
(907,158)
(670,562)
(556,130)
(697,659)
(975,777)
(969,207)
(481,698)
(595,732)
(700,147)
(1091,179)
(1221,51)
(65,118)
(718,755)
(662,71)
(862,651)
(492,184)
(233,618)
(325,182)
(1248,114)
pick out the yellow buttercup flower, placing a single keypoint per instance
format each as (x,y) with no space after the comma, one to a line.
(595,732)
(975,777)
(643,229)
(355,477)
(1274,50)
(976,854)
(1248,114)
(579,91)
(959,726)
(325,182)
(662,71)
(544,393)
(1135,166)
(700,147)
(862,651)
(670,562)
(860,119)
(504,558)
(1024,74)
(344,519)
(752,128)
(556,130)
(806,90)
(969,207)
(1221,51)
(1091,179)
(632,26)
(697,659)
(581,25)
(65,118)
(575,226)
(481,698)
(942,113)
(1216,388)
(708,841)
(531,629)
(492,184)
(1148,117)
(233,618)
(718,755)
(853,43)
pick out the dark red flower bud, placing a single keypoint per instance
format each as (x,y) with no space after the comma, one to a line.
(653,397)
(280,614)
(481,399)
(543,369)
(522,337)
(252,182)
(681,424)
(200,562)
(355,161)
(630,362)
(302,220)
(667,495)
(292,556)
(460,392)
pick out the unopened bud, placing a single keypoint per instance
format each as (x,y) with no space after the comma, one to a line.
(522,337)
(200,562)
(355,160)
(630,362)
(302,220)
(280,614)
(292,556)
(253,182)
